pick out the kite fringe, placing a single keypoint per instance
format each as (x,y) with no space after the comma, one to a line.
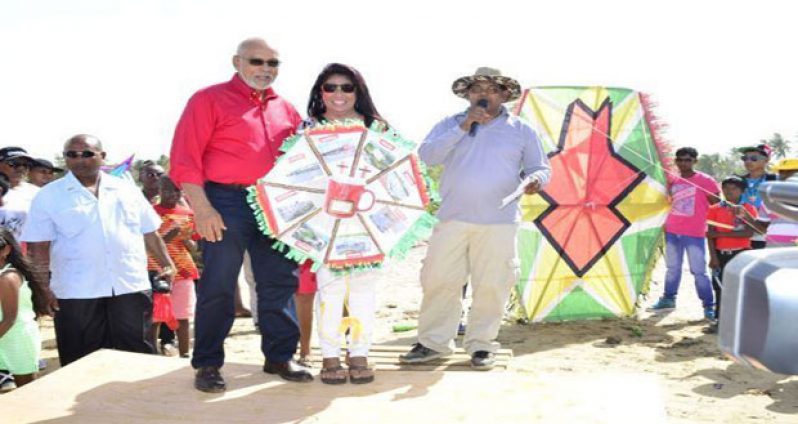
(420,230)
(657,127)
(289,252)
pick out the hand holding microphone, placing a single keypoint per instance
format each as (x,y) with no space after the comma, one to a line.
(477,115)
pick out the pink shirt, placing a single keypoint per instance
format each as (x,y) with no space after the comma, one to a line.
(689,204)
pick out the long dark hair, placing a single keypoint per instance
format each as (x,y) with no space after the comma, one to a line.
(363,105)
(16,258)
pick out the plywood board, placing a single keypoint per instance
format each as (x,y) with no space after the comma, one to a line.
(119,387)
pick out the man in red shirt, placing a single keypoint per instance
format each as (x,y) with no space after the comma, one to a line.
(229,136)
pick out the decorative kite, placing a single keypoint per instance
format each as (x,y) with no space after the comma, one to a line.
(345,196)
(589,241)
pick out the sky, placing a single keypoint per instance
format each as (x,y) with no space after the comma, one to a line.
(723,73)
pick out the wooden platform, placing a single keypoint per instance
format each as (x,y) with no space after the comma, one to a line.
(386,358)
(118,387)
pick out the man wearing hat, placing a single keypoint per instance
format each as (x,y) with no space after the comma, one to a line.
(487,153)
(755,160)
(14,163)
(42,171)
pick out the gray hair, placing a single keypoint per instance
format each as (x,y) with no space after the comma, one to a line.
(250,43)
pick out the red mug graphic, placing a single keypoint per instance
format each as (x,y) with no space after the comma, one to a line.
(344,195)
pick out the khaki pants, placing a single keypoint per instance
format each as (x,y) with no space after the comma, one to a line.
(456,250)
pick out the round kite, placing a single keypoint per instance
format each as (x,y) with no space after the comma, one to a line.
(345,196)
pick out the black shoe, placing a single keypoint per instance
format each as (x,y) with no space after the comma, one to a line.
(209,380)
(419,354)
(483,360)
(290,371)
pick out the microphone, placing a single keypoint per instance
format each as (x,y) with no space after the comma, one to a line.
(483,103)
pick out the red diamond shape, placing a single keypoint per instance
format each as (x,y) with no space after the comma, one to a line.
(588,180)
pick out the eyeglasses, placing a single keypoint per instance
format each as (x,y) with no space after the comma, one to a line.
(684,159)
(331,88)
(85,154)
(256,61)
(17,163)
(752,158)
(490,89)
(153,174)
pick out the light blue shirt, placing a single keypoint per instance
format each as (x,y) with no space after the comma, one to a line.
(482,170)
(97,244)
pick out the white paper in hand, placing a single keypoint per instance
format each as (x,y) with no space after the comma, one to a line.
(517,193)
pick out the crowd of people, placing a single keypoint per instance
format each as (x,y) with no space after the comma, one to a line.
(93,250)
(702,219)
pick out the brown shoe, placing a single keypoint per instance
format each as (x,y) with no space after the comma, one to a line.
(290,371)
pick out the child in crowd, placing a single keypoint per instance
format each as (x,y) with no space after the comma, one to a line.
(20,342)
(728,233)
(179,235)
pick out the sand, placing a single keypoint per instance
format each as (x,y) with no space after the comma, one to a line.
(696,382)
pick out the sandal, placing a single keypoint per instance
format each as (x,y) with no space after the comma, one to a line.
(332,372)
(359,371)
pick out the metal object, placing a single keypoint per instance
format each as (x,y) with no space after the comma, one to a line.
(760,296)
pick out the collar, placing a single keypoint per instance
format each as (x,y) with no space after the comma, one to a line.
(242,88)
(107,183)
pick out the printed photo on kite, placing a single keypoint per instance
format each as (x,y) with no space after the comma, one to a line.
(389,220)
(350,245)
(308,238)
(295,209)
(395,186)
(378,157)
(305,174)
(337,152)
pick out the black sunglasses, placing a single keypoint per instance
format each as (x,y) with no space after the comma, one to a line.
(74,154)
(331,88)
(255,61)
(751,158)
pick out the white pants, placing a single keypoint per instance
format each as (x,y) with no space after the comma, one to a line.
(358,292)
(456,250)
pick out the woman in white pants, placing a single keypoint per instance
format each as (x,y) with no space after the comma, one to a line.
(341,94)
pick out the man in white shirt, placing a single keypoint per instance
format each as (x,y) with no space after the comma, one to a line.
(89,230)
(15,163)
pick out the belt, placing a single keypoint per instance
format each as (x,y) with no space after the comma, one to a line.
(729,252)
(230,187)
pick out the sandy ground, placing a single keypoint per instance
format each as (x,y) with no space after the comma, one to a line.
(698,383)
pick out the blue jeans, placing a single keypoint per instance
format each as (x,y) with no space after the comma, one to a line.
(675,247)
(275,283)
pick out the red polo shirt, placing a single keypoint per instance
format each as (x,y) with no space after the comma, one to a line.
(228,134)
